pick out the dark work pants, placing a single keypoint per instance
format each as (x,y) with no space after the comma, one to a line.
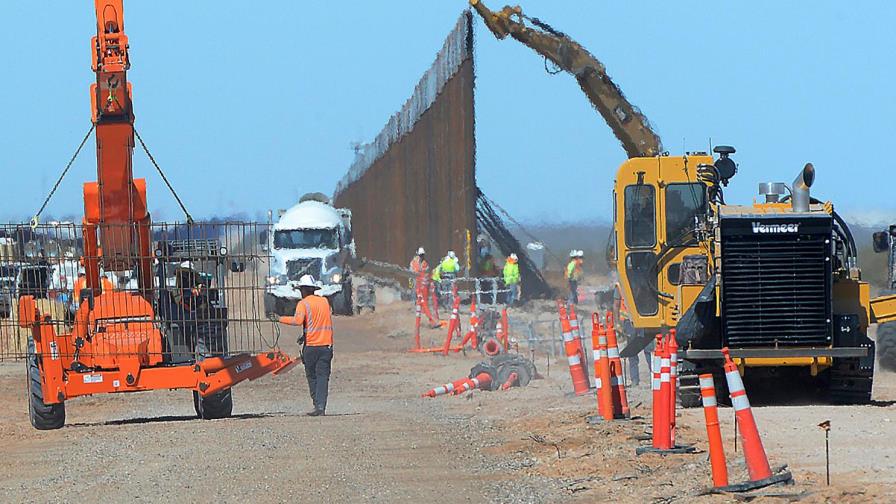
(317,369)
(574,292)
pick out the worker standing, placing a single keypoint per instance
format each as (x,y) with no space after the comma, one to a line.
(420,268)
(574,274)
(313,314)
(450,266)
(511,274)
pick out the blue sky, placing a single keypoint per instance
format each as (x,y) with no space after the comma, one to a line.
(246,107)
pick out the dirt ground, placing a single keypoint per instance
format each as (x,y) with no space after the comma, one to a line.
(382,442)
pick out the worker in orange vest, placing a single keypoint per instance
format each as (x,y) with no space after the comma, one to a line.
(313,315)
(420,268)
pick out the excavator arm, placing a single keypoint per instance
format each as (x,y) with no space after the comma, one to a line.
(627,122)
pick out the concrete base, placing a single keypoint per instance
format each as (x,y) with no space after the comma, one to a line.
(675,450)
(780,477)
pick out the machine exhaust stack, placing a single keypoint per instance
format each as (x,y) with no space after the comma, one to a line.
(801,184)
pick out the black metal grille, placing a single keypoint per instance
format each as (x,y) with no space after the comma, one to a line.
(307,266)
(776,286)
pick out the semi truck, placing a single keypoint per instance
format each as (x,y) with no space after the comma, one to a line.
(311,238)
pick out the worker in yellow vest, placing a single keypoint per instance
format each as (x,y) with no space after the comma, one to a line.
(574,274)
(511,274)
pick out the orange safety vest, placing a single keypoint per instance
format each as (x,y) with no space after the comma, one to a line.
(313,313)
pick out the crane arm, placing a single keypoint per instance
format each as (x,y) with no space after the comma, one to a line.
(627,122)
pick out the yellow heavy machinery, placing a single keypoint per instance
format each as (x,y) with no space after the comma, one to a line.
(776,281)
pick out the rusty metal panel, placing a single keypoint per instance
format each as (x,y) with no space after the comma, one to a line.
(414,185)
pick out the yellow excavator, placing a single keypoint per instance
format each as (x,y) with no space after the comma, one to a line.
(777,281)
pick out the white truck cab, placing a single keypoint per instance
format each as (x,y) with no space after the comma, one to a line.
(311,238)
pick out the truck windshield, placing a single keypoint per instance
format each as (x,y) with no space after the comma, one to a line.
(305,238)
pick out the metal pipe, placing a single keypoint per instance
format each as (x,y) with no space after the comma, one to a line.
(800,189)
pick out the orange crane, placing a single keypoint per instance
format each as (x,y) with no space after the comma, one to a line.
(117,340)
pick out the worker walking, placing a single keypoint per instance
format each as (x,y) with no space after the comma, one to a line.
(313,314)
(574,274)
(511,274)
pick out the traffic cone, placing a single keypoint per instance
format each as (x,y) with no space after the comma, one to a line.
(417,322)
(620,398)
(511,381)
(596,328)
(577,333)
(655,370)
(604,388)
(472,335)
(661,435)
(713,431)
(453,325)
(754,452)
(673,382)
(482,381)
(446,388)
(573,354)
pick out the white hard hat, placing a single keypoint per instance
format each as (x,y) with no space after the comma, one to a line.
(187,265)
(451,254)
(580,253)
(514,257)
(307,281)
(420,251)
(573,253)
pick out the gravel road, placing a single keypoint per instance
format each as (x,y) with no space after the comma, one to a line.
(381,442)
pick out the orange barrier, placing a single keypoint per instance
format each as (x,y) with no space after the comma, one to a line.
(754,452)
(446,388)
(574,355)
(506,326)
(620,398)
(661,424)
(713,431)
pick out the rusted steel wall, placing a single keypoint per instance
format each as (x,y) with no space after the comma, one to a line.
(418,188)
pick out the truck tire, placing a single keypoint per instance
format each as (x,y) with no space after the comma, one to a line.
(215,406)
(43,416)
(342,301)
(886,346)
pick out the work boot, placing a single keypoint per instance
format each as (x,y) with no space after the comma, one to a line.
(316,412)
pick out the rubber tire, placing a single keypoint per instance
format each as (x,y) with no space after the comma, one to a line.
(342,301)
(886,346)
(42,416)
(215,406)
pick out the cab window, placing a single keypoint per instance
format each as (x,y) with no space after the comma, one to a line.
(684,202)
(640,218)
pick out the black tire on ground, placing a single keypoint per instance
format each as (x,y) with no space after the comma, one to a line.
(342,301)
(42,416)
(886,346)
(215,406)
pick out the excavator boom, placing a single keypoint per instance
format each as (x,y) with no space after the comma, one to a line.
(627,122)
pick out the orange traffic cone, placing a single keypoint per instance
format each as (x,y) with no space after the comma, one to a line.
(620,398)
(453,325)
(482,381)
(446,388)
(662,425)
(713,431)
(573,354)
(754,453)
(511,381)
(673,383)
(472,335)
(604,388)
(417,322)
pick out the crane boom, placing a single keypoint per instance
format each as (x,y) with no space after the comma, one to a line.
(116,220)
(627,122)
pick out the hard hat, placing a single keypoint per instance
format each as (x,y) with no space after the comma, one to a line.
(573,253)
(187,265)
(420,251)
(513,257)
(581,253)
(451,254)
(307,281)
